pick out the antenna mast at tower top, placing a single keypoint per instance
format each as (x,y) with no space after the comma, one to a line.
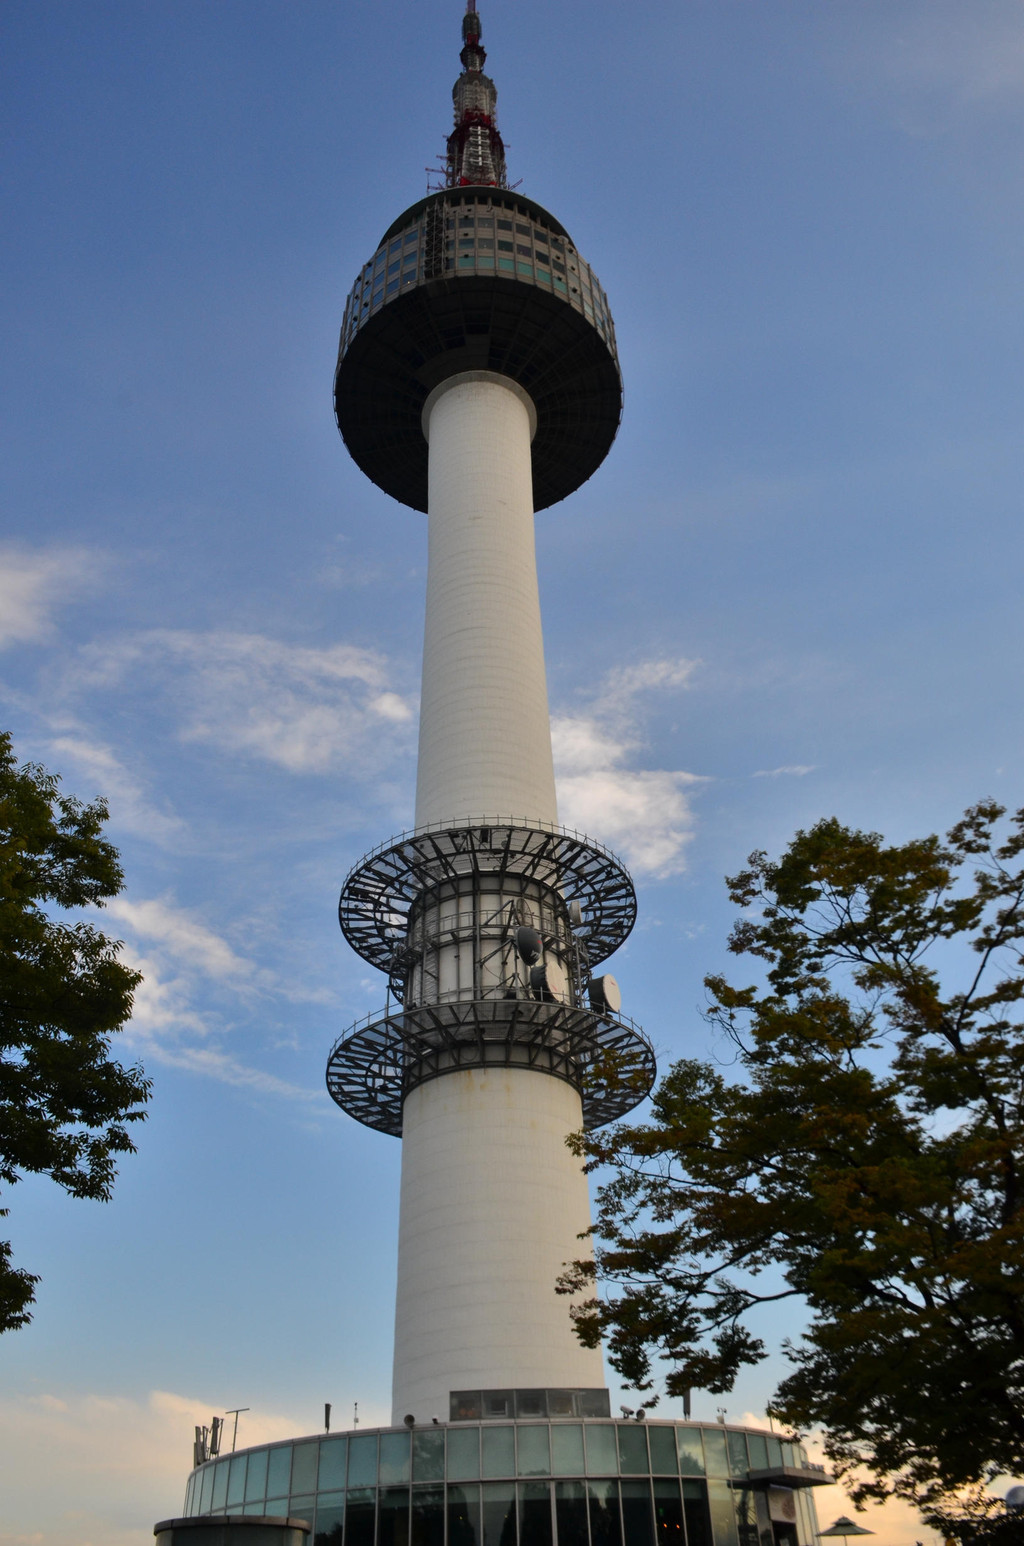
(476,153)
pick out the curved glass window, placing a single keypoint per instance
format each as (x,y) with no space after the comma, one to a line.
(567,1449)
(715,1455)
(737,1445)
(633,1449)
(668,1512)
(220,1485)
(535,1522)
(279,1470)
(256,1478)
(602,1455)
(427,1516)
(498,1514)
(304,1457)
(428,1455)
(360,1517)
(571,1513)
(663,1451)
(205,1500)
(637,1520)
(605,1517)
(330,1525)
(561,1482)
(394,1457)
(534,1449)
(498,1447)
(464,1454)
(333,1461)
(362,1460)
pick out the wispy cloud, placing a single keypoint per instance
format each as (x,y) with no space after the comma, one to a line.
(180,1019)
(644,814)
(974,53)
(790,770)
(130,810)
(211,1064)
(305,709)
(182,935)
(34,583)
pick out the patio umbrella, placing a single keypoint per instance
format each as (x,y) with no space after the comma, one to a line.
(843,1526)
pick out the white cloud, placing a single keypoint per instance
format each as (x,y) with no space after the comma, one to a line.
(176,1020)
(622,685)
(34,583)
(643,814)
(307,710)
(793,770)
(182,935)
(130,811)
(211,1064)
(581,745)
(123,1463)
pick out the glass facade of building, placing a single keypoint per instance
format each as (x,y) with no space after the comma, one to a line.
(562,1483)
(486,232)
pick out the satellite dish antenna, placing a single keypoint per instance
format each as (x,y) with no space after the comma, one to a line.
(528,943)
(1014,1500)
(605,994)
(549,980)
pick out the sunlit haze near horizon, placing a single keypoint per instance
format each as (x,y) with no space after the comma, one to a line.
(792,591)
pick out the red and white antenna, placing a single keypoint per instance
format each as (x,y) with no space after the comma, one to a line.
(476,153)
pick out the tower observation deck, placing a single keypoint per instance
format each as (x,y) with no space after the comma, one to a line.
(478,380)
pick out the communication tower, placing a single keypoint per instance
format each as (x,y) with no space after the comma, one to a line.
(478,381)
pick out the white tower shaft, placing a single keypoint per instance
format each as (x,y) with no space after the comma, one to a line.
(492,1201)
(485,735)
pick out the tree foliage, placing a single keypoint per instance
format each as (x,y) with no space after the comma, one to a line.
(64,1104)
(868,1161)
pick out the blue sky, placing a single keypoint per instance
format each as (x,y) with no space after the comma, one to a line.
(792,591)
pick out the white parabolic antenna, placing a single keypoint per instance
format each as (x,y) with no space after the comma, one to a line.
(550,978)
(610,993)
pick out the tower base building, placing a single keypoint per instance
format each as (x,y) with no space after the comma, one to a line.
(478,381)
(503,1467)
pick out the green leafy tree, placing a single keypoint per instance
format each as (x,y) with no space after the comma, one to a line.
(867,1159)
(64,1105)
(976,1518)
